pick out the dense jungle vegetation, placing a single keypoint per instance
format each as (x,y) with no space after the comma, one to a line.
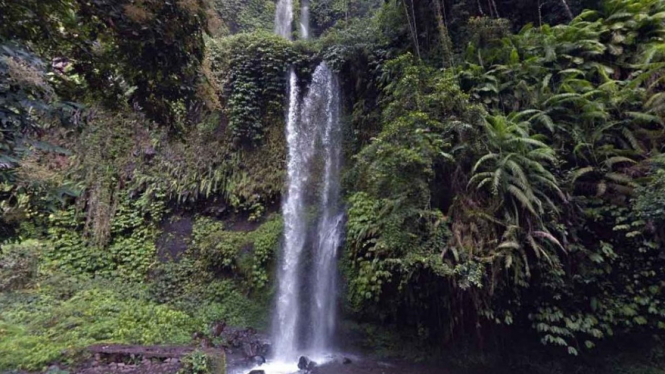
(504,177)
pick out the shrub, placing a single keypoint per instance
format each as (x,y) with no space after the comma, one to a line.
(18,264)
(199,362)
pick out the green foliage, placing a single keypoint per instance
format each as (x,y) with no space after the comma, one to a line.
(102,160)
(424,25)
(130,250)
(508,184)
(265,242)
(105,58)
(394,234)
(206,165)
(145,52)
(325,14)
(251,70)
(218,248)
(42,326)
(131,170)
(234,307)
(199,362)
(19,264)
(245,254)
(519,188)
(245,16)
(28,108)
(26,97)
(187,287)
(606,308)
(515,171)
(650,199)
(585,94)
(61,315)
(223,275)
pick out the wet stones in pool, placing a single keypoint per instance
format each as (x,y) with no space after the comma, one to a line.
(305,363)
(257,372)
(258,360)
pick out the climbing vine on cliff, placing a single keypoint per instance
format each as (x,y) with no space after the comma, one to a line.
(251,70)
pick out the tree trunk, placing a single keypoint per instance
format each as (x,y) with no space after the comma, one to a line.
(568,11)
(540,13)
(480,8)
(496,10)
(493,12)
(445,38)
(412,27)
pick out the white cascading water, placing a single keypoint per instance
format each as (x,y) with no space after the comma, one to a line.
(314,138)
(304,19)
(284,18)
(329,231)
(288,287)
(301,146)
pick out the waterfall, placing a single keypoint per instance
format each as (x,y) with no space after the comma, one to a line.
(284,18)
(304,19)
(313,136)
(301,148)
(330,225)
(314,157)
(293,209)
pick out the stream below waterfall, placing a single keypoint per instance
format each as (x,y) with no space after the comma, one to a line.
(335,364)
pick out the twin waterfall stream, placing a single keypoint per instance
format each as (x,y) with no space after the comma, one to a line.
(313,216)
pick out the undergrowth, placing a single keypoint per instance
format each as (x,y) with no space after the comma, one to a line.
(55,322)
(54,316)
(199,362)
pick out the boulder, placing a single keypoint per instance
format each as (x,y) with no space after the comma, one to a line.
(249,349)
(305,363)
(258,360)
(265,349)
(239,338)
(257,372)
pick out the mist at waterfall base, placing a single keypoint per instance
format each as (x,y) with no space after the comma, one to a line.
(305,308)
